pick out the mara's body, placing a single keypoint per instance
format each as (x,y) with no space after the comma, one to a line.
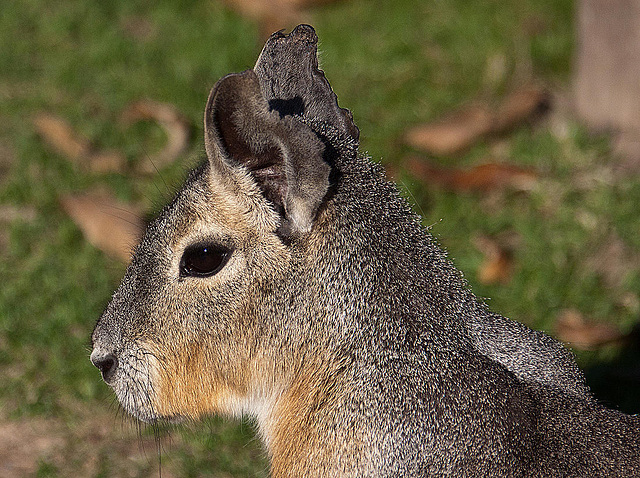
(290,281)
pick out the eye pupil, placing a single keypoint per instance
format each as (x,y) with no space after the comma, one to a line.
(202,260)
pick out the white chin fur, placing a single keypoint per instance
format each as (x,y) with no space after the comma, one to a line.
(133,384)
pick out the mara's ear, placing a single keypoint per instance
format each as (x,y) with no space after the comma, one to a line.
(292,83)
(283,156)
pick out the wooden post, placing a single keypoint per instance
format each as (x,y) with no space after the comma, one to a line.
(607,65)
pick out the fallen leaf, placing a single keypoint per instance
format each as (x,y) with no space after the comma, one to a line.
(304,4)
(465,127)
(106,162)
(274,15)
(497,266)
(109,225)
(484,177)
(572,328)
(174,124)
(61,137)
(455,133)
(519,106)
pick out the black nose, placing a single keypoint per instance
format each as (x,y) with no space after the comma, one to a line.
(107,364)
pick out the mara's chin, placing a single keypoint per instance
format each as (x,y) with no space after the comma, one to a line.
(153,418)
(136,395)
(137,403)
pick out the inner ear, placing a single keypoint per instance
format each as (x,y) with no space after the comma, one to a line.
(282,155)
(244,141)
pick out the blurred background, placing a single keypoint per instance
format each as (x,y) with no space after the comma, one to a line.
(511,125)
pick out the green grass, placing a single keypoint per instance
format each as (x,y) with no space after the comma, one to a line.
(394,64)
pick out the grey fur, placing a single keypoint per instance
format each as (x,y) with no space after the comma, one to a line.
(352,338)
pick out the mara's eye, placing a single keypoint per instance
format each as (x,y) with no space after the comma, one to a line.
(203,260)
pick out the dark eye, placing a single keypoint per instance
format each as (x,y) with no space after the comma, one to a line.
(203,260)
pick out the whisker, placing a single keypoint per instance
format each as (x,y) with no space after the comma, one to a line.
(133,223)
(157,171)
(405,187)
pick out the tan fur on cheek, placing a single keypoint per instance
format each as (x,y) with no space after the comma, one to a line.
(186,387)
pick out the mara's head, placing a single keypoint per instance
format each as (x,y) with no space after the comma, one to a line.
(214,275)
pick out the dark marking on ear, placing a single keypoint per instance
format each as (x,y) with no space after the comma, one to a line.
(288,72)
(290,107)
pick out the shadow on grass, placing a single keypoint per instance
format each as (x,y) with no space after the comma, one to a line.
(616,383)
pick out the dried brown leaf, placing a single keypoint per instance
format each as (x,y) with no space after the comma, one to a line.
(254,9)
(110,225)
(465,127)
(106,162)
(519,106)
(484,177)
(274,15)
(172,122)
(497,266)
(258,9)
(572,328)
(61,137)
(304,4)
(452,134)
(285,19)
